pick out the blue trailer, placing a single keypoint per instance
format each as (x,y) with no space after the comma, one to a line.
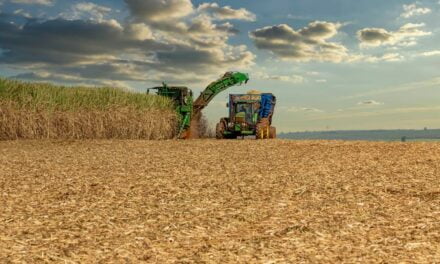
(249,115)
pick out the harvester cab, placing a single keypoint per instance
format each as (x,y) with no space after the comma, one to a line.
(249,115)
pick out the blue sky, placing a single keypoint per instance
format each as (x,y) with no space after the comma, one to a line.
(335,64)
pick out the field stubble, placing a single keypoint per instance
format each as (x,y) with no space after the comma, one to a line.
(219,201)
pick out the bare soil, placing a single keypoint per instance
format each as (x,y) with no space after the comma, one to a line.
(208,201)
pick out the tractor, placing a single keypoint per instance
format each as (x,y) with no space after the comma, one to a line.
(249,115)
(189,111)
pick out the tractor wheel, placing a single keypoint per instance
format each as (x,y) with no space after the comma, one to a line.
(267,132)
(259,132)
(219,130)
(273,132)
(262,129)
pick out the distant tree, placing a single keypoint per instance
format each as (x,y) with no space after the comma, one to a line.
(403,139)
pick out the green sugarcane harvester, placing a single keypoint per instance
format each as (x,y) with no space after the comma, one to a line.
(190,110)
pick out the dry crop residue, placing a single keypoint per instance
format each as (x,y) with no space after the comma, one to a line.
(219,201)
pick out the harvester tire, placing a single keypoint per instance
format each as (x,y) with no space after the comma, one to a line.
(219,130)
(272,132)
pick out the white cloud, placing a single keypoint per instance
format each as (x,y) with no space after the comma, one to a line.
(33,2)
(22,13)
(388,57)
(321,81)
(295,109)
(370,103)
(139,31)
(310,43)
(414,10)
(391,57)
(93,10)
(160,10)
(283,78)
(312,73)
(226,12)
(430,53)
(287,78)
(291,16)
(404,36)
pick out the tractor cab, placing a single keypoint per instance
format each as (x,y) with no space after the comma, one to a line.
(249,114)
(243,111)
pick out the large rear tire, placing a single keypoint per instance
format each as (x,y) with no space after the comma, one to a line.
(267,132)
(262,129)
(259,132)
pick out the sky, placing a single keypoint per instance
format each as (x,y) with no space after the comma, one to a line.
(333,64)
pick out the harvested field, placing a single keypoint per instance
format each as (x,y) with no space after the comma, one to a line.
(219,201)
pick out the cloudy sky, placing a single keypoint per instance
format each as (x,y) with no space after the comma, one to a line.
(333,64)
